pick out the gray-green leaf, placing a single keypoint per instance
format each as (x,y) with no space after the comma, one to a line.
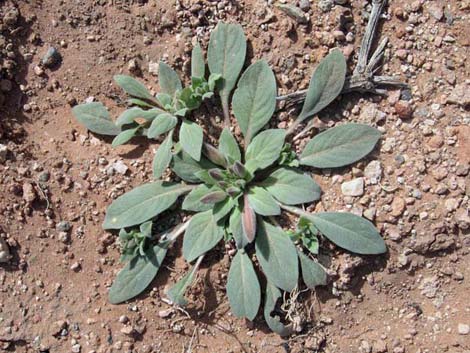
(229,146)
(262,202)
(274,323)
(326,84)
(198,67)
(313,273)
(236,228)
(226,56)
(265,148)
(277,256)
(202,234)
(254,100)
(162,158)
(349,231)
(133,87)
(137,274)
(221,209)
(176,292)
(96,118)
(142,203)
(161,124)
(291,187)
(168,79)
(124,136)
(129,115)
(340,146)
(191,138)
(186,167)
(243,289)
(192,201)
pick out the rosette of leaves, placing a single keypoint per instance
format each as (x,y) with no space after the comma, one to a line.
(236,193)
(156,116)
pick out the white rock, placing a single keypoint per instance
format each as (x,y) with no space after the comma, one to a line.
(3,153)
(463,329)
(373,172)
(4,251)
(354,187)
(120,167)
(153,68)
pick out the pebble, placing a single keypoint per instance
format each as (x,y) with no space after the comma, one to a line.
(304,5)
(153,68)
(4,251)
(123,319)
(120,167)
(403,109)
(165,313)
(460,95)
(29,193)
(63,226)
(294,12)
(463,329)
(38,71)
(3,153)
(398,206)
(325,5)
(379,346)
(75,267)
(354,187)
(373,172)
(51,58)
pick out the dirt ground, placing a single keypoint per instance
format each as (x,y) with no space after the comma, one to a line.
(57,179)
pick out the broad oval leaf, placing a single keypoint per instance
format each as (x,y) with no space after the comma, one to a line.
(326,84)
(133,87)
(161,124)
(163,155)
(313,273)
(187,168)
(277,256)
(262,202)
(349,232)
(191,138)
(168,79)
(291,187)
(265,148)
(228,145)
(129,115)
(142,203)
(137,274)
(203,234)
(226,56)
(198,67)
(243,289)
(124,136)
(192,201)
(340,146)
(95,117)
(274,322)
(254,100)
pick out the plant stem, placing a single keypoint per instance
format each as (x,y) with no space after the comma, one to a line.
(174,233)
(295,210)
(292,128)
(226,111)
